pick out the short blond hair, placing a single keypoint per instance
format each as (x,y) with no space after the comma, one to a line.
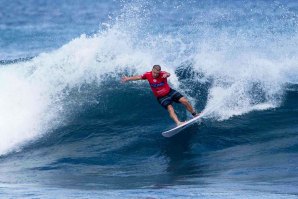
(156,67)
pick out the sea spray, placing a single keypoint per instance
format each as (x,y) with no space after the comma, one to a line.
(247,65)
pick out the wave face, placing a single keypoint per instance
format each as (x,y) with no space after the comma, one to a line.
(67,122)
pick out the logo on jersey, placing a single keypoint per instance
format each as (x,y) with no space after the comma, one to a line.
(157,85)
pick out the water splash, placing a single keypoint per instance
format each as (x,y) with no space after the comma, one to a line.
(247,66)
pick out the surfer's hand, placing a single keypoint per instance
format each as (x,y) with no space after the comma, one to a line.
(124,79)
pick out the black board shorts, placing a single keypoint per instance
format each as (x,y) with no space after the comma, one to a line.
(172,96)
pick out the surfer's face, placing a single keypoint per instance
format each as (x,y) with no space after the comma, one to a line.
(155,73)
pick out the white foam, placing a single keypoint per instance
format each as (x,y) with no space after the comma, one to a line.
(32,92)
(245,78)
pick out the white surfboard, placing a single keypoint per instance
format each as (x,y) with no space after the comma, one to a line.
(179,128)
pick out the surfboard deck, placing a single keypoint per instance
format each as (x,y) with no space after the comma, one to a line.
(179,128)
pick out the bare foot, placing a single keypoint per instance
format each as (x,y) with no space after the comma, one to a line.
(180,123)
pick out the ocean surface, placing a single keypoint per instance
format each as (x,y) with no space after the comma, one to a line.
(70,129)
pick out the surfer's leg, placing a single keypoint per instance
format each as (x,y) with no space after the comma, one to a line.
(188,106)
(173,115)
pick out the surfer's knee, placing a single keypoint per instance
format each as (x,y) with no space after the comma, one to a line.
(170,108)
(183,100)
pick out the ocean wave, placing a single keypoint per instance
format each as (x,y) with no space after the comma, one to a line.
(229,75)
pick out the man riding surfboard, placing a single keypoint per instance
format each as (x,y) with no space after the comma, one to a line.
(163,92)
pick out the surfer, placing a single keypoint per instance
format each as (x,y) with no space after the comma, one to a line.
(163,92)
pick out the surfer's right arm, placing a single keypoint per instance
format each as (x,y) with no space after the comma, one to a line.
(132,78)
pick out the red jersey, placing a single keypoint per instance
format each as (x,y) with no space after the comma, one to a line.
(159,85)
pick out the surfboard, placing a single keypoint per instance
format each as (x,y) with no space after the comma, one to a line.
(179,128)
